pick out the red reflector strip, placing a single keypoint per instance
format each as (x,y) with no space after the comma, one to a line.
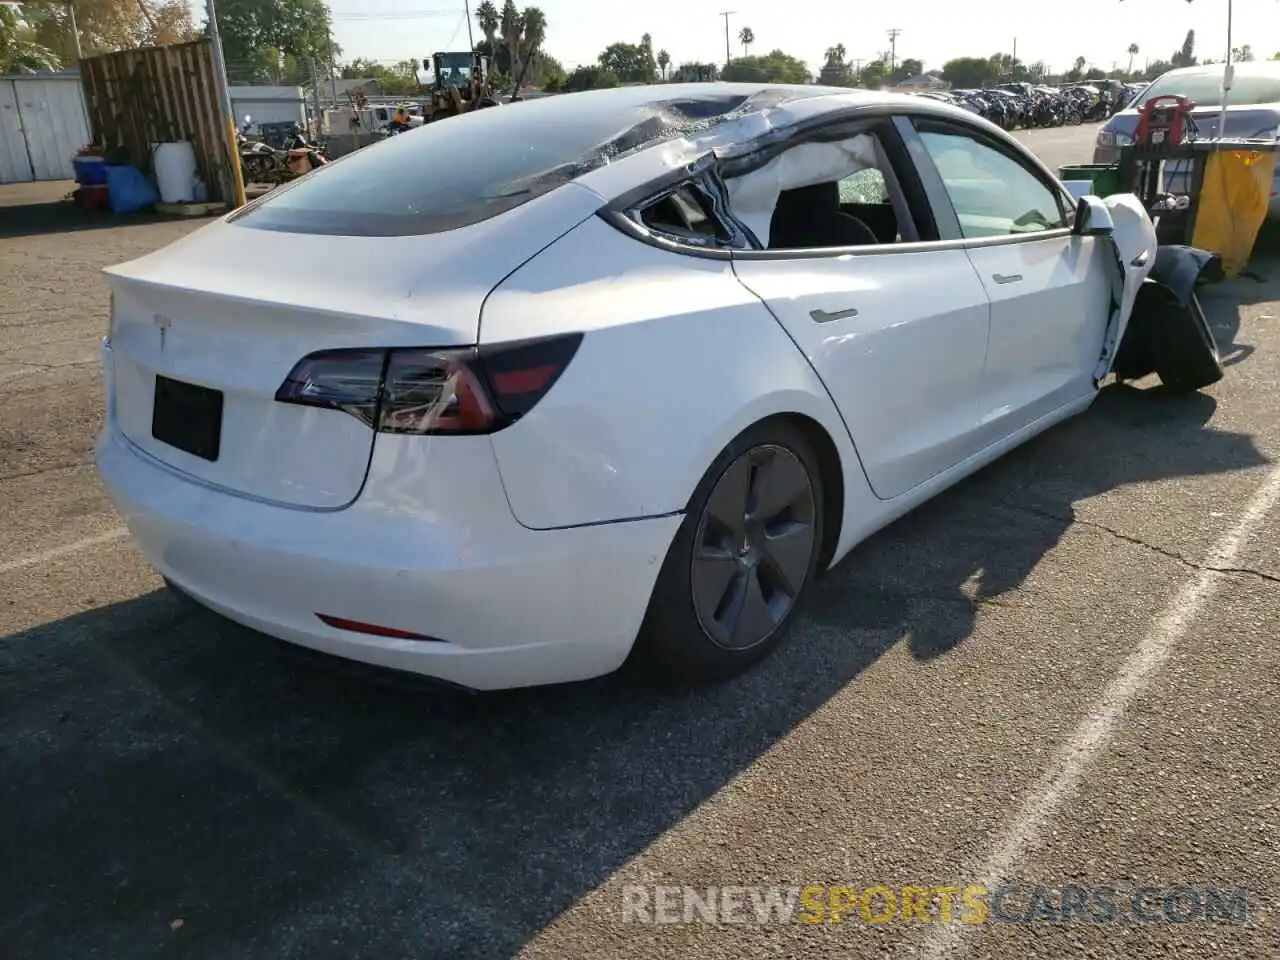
(373,629)
(524,381)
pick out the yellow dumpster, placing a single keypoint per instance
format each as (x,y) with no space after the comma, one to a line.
(1233,204)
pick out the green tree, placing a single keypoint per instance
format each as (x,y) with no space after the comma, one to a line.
(589,77)
(872,75)
(836,71)
(1186,57)
(746,37)
(20,51)
(694,72)
(630,62)
(1133,52)
(261,37)
(967,73)
(773,67)
(106,25)
(664,62)
(1242,54)
(906,70)
(488,21)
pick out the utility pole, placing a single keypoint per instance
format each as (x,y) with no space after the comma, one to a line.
(466,5)
(893,49)
(1228,76)
(1013,64)
(224,105)
(333,65)
(75,31)
(728,53)
(317,129)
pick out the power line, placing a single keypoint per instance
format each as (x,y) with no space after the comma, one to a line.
(366,16)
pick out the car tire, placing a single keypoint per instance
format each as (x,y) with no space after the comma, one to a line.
(1186,353)
(736,576)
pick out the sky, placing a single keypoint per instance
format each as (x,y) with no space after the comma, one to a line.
(1055,31)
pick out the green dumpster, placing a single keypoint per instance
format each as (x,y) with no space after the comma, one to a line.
(1105,177)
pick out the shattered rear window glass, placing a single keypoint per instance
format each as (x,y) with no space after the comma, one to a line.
(463,170)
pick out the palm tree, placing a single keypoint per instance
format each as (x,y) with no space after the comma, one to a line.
(746,37)
(19,52)
(511,24)
(487,19)
(664,61)
(1133,52)
(534,22)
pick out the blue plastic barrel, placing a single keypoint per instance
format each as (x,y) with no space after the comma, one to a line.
(90,171)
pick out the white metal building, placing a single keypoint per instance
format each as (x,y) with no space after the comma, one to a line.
(43,123)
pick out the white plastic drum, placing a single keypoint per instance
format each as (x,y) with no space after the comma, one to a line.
(175,165)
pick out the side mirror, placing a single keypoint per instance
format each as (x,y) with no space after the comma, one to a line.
(1093,219)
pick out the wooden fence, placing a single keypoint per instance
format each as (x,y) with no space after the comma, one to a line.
(137,98)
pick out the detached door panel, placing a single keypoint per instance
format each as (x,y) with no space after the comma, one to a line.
(900,340)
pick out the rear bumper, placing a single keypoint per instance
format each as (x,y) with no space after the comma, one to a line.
(510,606)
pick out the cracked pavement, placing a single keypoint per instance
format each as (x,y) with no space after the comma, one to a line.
(175,785)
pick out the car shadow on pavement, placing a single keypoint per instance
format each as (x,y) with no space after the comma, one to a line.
(163,764)
(927,576)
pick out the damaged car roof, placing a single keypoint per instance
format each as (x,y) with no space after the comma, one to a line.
(446,175)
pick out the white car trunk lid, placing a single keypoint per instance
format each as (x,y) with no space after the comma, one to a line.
(219,319)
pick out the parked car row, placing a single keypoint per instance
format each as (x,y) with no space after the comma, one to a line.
(1026,105)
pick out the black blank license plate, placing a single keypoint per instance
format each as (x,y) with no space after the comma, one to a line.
(187,417)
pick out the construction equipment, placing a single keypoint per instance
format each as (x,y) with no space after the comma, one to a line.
(460,84)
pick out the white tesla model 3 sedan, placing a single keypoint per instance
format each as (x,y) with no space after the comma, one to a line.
(504,399)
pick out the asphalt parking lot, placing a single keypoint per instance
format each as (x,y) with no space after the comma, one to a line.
(1062,673)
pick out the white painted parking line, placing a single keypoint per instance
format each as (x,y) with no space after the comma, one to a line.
(1099,725)
(115,533)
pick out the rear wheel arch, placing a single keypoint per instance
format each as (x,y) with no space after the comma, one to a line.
(832,476)
(830,463)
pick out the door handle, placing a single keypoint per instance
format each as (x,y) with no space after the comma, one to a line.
(1006,278)
(1141,259)
(821,316)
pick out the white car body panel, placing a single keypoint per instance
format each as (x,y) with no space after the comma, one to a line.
(1049,305)
(529,555)
(614,438)
(240,307)
(905,370)
(453,564)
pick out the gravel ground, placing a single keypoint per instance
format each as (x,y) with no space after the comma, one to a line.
(1062,672)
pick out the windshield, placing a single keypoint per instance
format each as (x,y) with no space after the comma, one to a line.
(454,68)
(414,184)
(1205,89)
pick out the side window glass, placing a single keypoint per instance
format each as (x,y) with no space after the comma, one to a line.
(865,186)
(684,213)
(993,194)
(823,195)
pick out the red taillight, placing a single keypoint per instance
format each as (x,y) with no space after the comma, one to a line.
(425,391)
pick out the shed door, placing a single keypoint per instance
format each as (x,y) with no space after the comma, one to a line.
(15,166)
(53,117)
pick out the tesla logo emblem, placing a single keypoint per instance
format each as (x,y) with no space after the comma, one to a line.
(162,324)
